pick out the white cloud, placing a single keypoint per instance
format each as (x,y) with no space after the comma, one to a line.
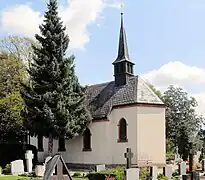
(21,19)
(77,15)
(200,97)
(179,75)
(176,73)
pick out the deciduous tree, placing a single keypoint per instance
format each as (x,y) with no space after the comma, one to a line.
(12,73)
(19,47)
(182,121)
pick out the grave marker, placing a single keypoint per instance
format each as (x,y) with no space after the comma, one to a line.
(100,167)
(39,170)
(128,155)
(132,174)
(29,157)
(17,167)
(167,171)
(153,172)
(58,161)
(182,168)
(47,160)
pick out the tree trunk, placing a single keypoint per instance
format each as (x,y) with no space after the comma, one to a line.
(50,145)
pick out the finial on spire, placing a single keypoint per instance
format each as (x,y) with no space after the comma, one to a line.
(121,8)
(123,53)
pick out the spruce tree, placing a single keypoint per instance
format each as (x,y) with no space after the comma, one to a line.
(54,101)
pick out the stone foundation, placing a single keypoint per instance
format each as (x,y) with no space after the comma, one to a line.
(88,167)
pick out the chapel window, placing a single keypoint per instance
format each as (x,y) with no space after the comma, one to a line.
(61,144)
(122,130)
(40,143)
(87,140)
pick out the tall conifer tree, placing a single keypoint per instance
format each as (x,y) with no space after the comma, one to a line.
(54,102)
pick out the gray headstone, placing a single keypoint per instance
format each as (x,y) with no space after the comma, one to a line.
(46,161)
(100,167)
(182,168)
(17,167)
(203,164)
(153,172)
(168,172)
(132,174)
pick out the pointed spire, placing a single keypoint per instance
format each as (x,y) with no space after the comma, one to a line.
(123,54)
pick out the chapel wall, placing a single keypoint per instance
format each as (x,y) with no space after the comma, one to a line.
(42,155)
(100,153)
(151,141)
(119,148)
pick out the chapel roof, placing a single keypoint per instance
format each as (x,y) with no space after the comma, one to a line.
(101,98)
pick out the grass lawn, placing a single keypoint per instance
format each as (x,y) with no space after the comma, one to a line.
(28,178)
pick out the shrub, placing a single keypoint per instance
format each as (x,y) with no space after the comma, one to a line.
(118,172)
(32,174)
(7,169)
(143,173)
(162,177)
(176,173)
(76,174)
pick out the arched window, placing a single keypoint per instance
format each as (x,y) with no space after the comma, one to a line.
(40,143)
(61,144)
(87,140)
(122,128)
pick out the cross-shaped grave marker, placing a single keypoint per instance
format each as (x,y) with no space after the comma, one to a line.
(29,157)
(128,155)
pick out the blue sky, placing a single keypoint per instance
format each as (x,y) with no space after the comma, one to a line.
(166,39)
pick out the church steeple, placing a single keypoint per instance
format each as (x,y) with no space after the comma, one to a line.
(123,67)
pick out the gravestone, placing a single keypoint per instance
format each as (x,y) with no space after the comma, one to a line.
(177,157)
(203,164)
(47,160)
(29,158)
(167,171)
(153,172)
(58,161)
(128,155)
(182,168)
(17,167)
(39,170)
(100,167)
(132,174)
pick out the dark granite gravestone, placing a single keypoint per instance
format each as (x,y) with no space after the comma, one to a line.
(56,161)
(128,155)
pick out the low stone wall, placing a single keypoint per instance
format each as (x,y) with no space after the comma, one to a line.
(75,166)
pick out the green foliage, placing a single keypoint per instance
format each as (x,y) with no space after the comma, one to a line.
(117,173)
(162,177)
(76,174)
(32,174)
(18,47)
(157,92)
(144,173)
(12,73)
(182,122)
(169,146)
(169,156)
(176,173)
(7,169)
(54,101)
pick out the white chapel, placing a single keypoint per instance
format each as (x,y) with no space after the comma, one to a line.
(126,113)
